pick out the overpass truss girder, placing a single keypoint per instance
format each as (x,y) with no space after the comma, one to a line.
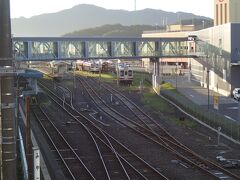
(30,49)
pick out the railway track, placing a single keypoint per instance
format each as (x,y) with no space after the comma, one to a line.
(119,161)
(163,138)
(66,153)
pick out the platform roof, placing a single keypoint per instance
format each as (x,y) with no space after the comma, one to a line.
(29,73)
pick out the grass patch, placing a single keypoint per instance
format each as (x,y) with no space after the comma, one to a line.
(105,77)
(153,101)
(167,86)
(46,77)
(186,123)
(139,78)
(159,105)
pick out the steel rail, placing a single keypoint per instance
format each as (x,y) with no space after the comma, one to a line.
(194,159)
(64,89)
(133,107)
(87,130)
(153,169)
(127,101)
(89,121)
(64,140)
(110,144)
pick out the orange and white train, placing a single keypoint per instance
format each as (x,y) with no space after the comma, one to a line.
(124,74)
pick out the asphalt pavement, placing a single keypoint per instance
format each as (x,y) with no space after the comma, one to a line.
(228,106)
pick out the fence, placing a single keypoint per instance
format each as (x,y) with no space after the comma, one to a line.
(209,117)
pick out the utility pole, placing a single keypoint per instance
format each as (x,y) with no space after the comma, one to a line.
(7,97)
(176,74)
(203,24)
(135,5)
(208,88)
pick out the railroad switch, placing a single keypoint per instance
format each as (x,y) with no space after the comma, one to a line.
(85,110)
(34,101)
(182,118)
(68,123)
(228,163)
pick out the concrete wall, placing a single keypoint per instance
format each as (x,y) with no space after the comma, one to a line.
(235,77)
(234,13)
(196,71)
(235,56)
(217,59)
(223,44)
(235,42)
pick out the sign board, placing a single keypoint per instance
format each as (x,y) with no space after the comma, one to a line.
(216,102)
(36,163)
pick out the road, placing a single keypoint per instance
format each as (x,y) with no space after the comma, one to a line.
(228,106)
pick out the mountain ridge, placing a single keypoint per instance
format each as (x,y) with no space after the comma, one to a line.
(85,16)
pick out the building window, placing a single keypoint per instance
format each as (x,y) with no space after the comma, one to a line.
(221,14)
(226,11)
(216,14)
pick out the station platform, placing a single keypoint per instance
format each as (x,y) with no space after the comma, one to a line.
(29,78)
(30,73)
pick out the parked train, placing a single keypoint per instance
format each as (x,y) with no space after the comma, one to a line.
(92,66)
(58,69)
(124,74)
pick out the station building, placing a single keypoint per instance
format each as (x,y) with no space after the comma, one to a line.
(226,11)
(219,65)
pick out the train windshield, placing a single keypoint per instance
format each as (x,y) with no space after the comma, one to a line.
(130,73)
(121,73)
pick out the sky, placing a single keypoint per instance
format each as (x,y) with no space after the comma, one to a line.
(28,8)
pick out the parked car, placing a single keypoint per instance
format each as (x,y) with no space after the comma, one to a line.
(236,94)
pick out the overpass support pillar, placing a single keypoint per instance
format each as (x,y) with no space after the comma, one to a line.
(156,79)
(189,72)
(33,84)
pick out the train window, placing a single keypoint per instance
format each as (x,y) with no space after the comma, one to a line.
(130,73)
(126,73)
(121,73)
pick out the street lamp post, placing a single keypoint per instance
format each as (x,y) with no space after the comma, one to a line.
(208,87)
(176,75)
(74,79)
(117,69)
(203,23)
(100,72)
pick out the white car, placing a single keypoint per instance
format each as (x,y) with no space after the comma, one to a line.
(236,94)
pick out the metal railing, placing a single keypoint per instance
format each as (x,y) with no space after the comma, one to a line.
(213,119)
(209,117)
